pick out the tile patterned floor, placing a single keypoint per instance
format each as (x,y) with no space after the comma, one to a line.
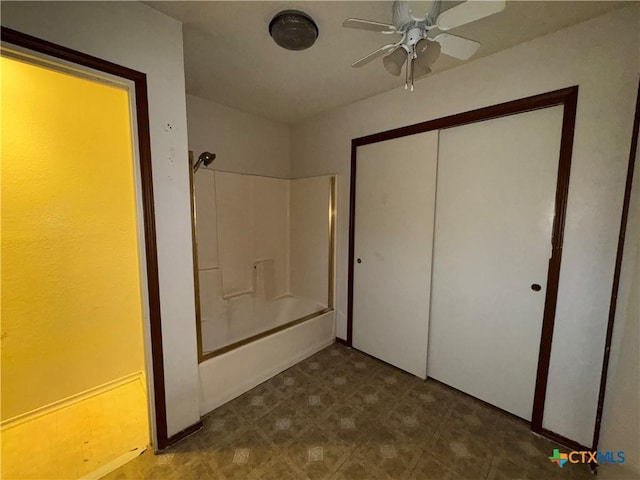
(79,439)
(343,415)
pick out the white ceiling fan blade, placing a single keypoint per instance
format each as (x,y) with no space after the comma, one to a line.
(373,55)
(468,12)
(424,11)
(457,47)
(368,25)
(401,13)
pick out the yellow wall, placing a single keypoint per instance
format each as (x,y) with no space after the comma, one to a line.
(71,305)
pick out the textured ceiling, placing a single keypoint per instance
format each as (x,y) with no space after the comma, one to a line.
(231,59)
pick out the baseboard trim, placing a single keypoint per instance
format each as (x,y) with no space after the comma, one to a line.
(143,381)
(562,440)
(66,402)
(182,434)
(114,464)
(342,341)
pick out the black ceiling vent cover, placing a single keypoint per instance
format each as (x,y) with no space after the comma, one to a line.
(293,30)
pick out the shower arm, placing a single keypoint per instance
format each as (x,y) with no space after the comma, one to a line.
(205,157)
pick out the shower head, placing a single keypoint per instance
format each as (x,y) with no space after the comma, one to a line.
(205,157)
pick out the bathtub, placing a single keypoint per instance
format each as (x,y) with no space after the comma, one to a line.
(248,338)
(230,374)
(246,317)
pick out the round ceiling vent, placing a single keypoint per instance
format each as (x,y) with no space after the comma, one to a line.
(293,30)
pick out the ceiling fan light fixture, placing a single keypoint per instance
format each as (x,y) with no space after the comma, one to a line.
(293,30)
(394,61)
(427,52)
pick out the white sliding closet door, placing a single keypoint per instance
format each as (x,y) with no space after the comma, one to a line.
(495,210)
(395,194)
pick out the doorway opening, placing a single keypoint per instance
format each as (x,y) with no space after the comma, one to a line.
(81,392)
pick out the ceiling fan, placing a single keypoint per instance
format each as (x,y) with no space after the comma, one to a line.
(423,39)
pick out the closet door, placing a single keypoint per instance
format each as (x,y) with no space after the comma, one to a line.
(495,211)
(394,213)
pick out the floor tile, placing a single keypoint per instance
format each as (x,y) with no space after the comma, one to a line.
(78,439)
(343,415)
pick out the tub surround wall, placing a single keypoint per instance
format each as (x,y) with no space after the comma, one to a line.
(308,233)
(242,225)
(252,226)
(245,318)
(234,205)
(207,219)
(271,204)
(265,230)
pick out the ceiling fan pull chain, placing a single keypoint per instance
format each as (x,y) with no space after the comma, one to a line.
(412,75)
(406,72)
(413,59)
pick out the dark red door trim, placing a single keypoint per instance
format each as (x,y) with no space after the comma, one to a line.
(618,269)
(567,97)
(144,149)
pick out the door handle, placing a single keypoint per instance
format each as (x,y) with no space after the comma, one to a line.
(535,287)
(359,260)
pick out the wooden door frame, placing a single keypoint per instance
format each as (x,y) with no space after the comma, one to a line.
(139,80)
(618,269)
(568,98)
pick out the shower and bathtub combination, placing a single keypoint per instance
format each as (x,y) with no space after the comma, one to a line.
(264,250)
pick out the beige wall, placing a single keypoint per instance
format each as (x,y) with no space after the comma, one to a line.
(243,143)
(601,57)
(138,37)
(621,416)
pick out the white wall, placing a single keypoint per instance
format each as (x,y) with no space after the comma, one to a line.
(138,37)
(601,56)
(243,143)
(621,418)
